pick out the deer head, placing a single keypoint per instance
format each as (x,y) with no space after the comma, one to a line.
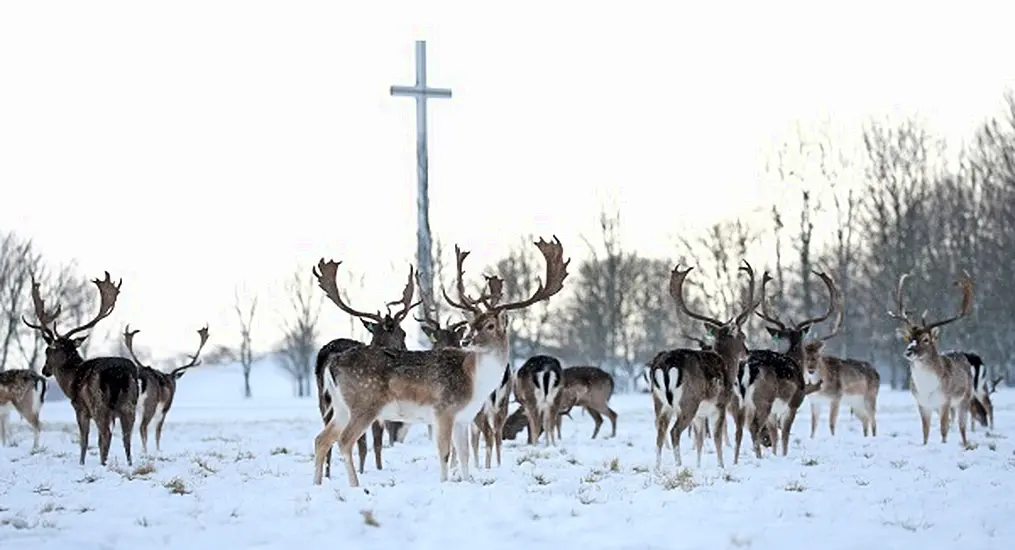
(728,337)
(385,330)
(701,342)
(794,333)
(922,338)
(487,325)
(62,349)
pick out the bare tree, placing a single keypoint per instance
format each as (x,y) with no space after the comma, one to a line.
(245,314)
(298,348)
(18,261)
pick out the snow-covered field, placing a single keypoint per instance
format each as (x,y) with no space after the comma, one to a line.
(237,474)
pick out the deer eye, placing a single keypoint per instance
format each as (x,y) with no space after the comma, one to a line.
(489,326)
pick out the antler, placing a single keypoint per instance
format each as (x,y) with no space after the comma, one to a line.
(464,302)
(406,300)
(107,300)
(128,340)
(764,314)
(751,305)
(839,313)
(701,343)
(677,278)
(203,333)
(556,272)
(494,291)
(326,275)
(45,319)
(967,302)
(901,315)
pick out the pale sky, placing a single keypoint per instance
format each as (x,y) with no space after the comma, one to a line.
(193,146)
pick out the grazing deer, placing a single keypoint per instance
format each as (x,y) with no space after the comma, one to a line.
(773,383)
(696,386)
(157,388)
(23,390)
(446,387)
(518,421)
(939,382)
(102,389)
(591,389)
(385,332)
(537,389)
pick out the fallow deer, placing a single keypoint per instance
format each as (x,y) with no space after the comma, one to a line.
(696,386)
(446,387)
(23,390)
(537,389)
(385,332)
(773,382)
(851,380)
(102,389)
(591,389)
(939,382)
(981,408)
(157,388)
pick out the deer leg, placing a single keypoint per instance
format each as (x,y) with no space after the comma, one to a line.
(127,429)
(872,412)
(683,420)
(460,432)
(719,429)
(322,449)
(444,427)
(758,418)
(787,426)
(699,439)
(533,418)
(350,434)
(361,450)
(662,426)
(945,417)
(548,420)
(815,416)
(3,427)
(963,419)
(925,423)
(598,419)
(490,439)
(84,424)
(377,428)
(738,428)
(103,423)
(429,432)
(158,431)
(498,433)
(143,431)
(833,414)
(33,420)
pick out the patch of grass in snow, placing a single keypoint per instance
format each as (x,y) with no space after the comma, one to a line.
(683,479)
(89,478)
(992,446)
(640,469)
(587,494)
(50,507)
(84,509)
(594,476)
(532,456)
(614,465)
(730,478)
(177,486)
(738,541)
(148,468)
(279,451)
(206,469)
(809,462)
(369,519)
(141,522)
(868,455)
(861,482)
(898,464)
(43,489)
(969,446)
(244,455)
(572,461)
(541,479)
(910,525)
(38,450)
(795,487)
(993,435)
(963,466)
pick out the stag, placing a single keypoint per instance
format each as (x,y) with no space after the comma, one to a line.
(23,390)
(385,332)
(102,389)
(696,386)
(445,387)
(157,388)
(938,381)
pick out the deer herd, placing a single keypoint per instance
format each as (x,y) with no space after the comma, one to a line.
(462,387)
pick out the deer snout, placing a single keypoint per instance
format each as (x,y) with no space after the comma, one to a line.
(910,349)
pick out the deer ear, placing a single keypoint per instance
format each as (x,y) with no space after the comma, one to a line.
(78,341)
(805,331)
(372,327)
(460,333)
(773,332)
(429,331)
(934,333)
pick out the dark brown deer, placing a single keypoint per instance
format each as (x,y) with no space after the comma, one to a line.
(23,390)
(537,390)
(773,382)
(385,332)
(981,407)
(157,388)
(696,386)
(102,389)
(851,381)
(591,389)
(445,387)
(939,382)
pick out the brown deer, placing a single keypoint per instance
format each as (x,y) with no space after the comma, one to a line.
(773,382)
(853,381)
(591,389)
(23,390)
(157,388)
(385,332)
(696,386)
(445,387)
(981,407)
(102,389)
(537,390)
(939,382)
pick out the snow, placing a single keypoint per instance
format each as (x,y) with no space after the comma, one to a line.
(244,468)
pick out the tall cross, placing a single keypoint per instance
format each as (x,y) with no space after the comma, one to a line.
(421,93)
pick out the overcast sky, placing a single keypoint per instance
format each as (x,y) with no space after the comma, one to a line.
(193,146)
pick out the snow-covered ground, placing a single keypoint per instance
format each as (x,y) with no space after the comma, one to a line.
(237,474)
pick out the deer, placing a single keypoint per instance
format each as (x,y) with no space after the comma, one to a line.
(981,408)
(851,380)
(385,332)
(489,421)
(537,389)
(695,386)
(591,389)
(158,388)
(23,390)
(102,389)
(773,382)
(444,387)
(939,382)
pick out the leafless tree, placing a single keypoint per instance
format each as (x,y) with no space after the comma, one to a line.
(245,310)
(298,348)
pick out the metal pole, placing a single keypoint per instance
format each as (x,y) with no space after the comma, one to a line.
(423,240)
